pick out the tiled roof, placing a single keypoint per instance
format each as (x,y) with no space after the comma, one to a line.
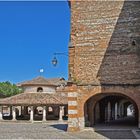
(34,99)
(43,81)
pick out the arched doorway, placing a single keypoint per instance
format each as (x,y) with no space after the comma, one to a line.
(110,109)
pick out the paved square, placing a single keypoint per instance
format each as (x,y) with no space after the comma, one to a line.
(13,130)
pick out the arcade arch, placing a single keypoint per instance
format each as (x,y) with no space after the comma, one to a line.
(110,108)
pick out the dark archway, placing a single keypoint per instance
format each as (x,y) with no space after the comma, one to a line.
(110,110)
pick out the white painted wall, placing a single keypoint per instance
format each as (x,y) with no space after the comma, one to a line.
(33,89)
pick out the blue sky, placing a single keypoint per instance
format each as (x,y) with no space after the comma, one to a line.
(30,32)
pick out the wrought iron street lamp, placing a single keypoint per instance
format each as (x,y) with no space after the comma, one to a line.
(54,60)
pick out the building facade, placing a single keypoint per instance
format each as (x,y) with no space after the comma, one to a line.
(39,101)
(104,58)
(104,62)
(42,85)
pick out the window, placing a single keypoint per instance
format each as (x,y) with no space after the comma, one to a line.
(39,89)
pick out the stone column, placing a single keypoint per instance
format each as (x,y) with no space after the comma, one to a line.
(44,113)
(19,110)
(1,116)
(14,113)
(108,111)
(112,111)
(116,111)
(119,110)
(61,112)
(97,113)
(32,114)
(122,110)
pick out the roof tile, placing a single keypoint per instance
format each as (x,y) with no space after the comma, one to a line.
(34,99)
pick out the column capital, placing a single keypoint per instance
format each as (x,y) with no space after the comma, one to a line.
(44,107)
(31,107)
(61,107)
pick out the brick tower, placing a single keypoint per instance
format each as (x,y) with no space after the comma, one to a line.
(104,60)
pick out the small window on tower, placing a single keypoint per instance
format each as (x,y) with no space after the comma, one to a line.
(39,89)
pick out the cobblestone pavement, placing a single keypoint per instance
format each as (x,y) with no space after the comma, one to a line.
(11,130)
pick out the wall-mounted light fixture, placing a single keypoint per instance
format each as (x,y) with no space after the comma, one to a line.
(55,61)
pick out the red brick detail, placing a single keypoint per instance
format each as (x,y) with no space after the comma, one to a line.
(72,98)
(72,107)
(72,115)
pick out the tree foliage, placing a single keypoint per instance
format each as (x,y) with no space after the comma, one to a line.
(9,89)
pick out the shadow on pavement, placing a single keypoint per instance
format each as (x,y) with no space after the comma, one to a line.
(117,134)
(60,126)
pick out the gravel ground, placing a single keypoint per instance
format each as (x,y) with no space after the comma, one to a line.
(55,131)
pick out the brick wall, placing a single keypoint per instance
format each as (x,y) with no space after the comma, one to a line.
(105,38)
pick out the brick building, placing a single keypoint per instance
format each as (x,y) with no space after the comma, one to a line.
(104,62)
